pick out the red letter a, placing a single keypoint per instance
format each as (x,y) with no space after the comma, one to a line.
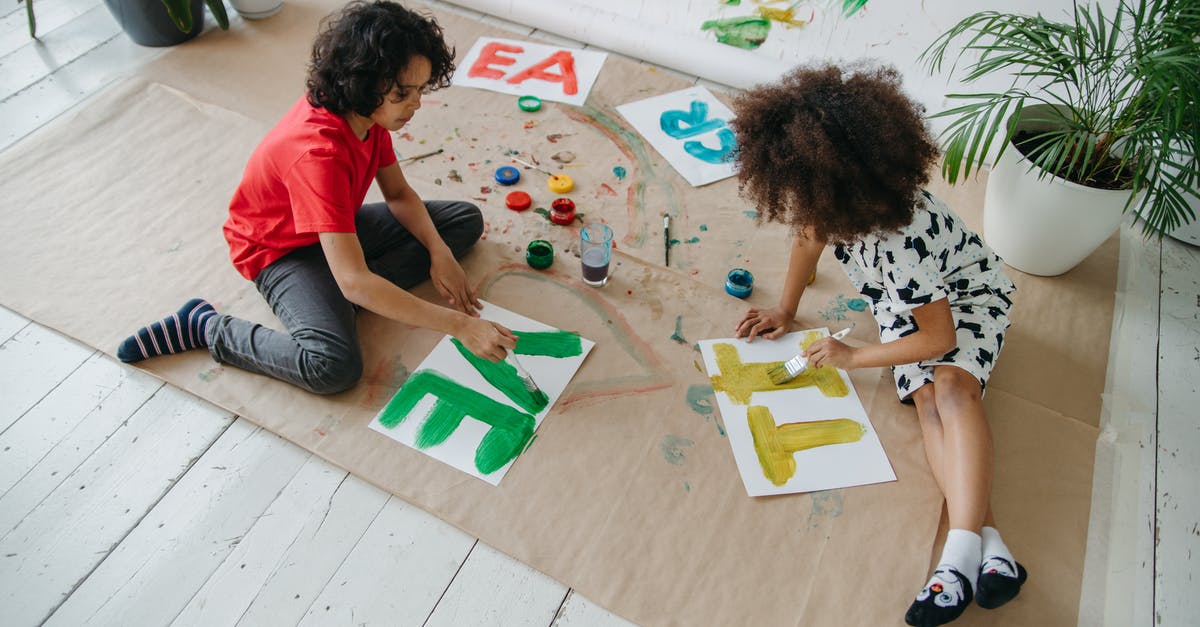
(564,60)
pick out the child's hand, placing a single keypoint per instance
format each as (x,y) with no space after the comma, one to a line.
(830,352)
(769,323)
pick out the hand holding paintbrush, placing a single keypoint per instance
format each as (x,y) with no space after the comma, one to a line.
(792,368)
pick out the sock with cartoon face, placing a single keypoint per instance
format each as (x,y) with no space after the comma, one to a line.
(1000,575)
(952,585)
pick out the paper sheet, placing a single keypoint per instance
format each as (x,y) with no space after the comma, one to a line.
(690,129)
(447,378)
(809,434)
(526,68)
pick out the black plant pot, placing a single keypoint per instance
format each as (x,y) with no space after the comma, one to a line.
(147,23)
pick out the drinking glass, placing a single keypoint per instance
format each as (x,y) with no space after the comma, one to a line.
(595,252)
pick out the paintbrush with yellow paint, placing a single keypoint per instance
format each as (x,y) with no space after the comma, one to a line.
(792,368)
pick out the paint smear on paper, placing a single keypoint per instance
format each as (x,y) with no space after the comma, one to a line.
(565,156)
(454,176)
(504,377)
(620,173)
(672,449)
(840,307)
(740,380)
(746,32)
(776,446)
(510,430)
(557,344)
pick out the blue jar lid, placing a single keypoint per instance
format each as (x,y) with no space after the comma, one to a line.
(739,283)
(507,175)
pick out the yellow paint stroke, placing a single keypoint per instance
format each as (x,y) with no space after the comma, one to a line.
(776,445)
(783,16)
(740,380)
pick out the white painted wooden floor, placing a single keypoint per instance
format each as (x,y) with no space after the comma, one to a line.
(124,501)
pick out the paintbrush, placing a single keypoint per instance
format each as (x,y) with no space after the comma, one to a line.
(530,165)
(526,378)
(792,368)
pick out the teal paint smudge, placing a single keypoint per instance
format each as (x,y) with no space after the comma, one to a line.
(840,307)
(619,172)
(678,334)
(703,227)
(692,240)
(750,214)
(672,451)
(825,505)
(687,487)
(702,400)
(511,429)
(542,211)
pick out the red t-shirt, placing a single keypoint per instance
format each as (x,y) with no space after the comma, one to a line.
(308,176)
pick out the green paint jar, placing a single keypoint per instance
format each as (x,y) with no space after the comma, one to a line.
(539,254)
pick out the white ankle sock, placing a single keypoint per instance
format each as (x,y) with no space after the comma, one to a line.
(963,551)
(993,546)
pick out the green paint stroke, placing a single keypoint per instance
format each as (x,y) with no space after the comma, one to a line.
(503,376)
(700,398)
(558,344)
(850,7)
(510,430)
(857,304)
(747,32)
(672,449)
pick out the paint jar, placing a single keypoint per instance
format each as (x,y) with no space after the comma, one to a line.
(739,283)
(562,211)
(595,253)
(507,175)
(539,254)
(518,201)
(560,184)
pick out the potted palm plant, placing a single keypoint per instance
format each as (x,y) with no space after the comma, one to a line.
(1100,118)
(164,22)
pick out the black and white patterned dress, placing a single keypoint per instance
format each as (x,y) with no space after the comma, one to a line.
(936,256)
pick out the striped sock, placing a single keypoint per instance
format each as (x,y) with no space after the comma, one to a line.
(178,332)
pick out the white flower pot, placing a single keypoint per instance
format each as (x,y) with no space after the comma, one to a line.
(1045,226)
(256,9)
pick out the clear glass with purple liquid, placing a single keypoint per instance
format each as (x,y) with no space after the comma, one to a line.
(595,252)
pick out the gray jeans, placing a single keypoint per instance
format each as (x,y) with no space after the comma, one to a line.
(320,352)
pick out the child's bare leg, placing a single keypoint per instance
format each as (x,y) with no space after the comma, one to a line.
(959,450)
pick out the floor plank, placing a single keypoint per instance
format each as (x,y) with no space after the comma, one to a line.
(32,363)
(70,531)
(395,574)
(41,57)
(10,324)
(1177,528)
(152,575)
(578,611)
(285,560)
(494,589)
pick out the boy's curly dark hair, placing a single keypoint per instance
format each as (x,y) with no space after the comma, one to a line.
(843,153)
(360,52)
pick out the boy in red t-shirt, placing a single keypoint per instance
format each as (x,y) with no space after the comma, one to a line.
(297,230)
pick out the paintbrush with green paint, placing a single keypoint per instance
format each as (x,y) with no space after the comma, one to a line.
(792,368)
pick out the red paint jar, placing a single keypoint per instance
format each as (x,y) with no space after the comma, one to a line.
(518,201)
(562,211)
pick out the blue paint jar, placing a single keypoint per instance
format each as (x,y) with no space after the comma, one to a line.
(739,283)
(507,175)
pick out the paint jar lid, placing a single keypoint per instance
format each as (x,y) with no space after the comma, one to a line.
(739,283)
(529,103)
(507,175)
(560,184)
(539,254)
(518,201)
(562,211)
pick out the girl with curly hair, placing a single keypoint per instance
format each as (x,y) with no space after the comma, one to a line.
(298,229)
(841,157)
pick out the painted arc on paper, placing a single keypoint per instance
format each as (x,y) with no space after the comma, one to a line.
(739,380)
(510,429)
(776,446)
